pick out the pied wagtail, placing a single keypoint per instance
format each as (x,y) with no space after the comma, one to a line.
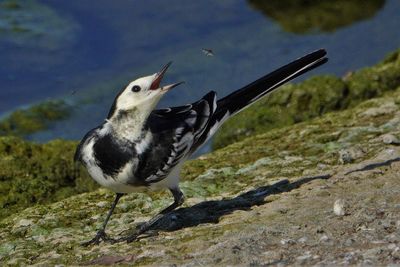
(139,147)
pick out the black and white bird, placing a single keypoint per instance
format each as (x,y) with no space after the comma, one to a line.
(139,147)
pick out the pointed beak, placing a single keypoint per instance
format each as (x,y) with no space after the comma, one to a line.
(170,86)
(156,83)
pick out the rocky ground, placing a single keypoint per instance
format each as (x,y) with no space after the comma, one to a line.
(322,192)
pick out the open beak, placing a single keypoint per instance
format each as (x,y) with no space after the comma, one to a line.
(156,83)
(170,86)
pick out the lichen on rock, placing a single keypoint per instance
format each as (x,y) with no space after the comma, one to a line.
(38,173)
(242,201)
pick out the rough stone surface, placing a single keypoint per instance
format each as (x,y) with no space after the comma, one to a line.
(263,201)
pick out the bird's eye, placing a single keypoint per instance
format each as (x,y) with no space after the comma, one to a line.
(136,88)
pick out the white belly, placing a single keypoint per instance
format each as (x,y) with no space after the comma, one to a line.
(120,183)
(171,181)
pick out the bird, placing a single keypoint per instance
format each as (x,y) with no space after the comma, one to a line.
(208,52)
(139,147)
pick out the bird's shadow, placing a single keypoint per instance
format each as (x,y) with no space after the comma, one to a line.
(212,211)
(374,165)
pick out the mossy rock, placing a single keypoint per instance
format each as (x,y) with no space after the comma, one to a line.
(299,102)
(35,118)
(38,173)
(268,188)
(374,81)
(307,16)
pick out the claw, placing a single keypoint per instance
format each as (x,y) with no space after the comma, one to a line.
(142,232)
(131,238)
(101,235)
(136,236)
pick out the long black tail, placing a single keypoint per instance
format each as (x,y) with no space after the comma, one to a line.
(247,95)
(242,98)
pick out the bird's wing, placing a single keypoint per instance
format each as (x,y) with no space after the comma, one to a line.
(174,132)
(78,151)
(180,131)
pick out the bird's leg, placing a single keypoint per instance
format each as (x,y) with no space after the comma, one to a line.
(178,201)
(101,234)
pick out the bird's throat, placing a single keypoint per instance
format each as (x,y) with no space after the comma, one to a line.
(129,125)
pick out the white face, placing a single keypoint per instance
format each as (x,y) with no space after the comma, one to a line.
(139,93)
(142,94)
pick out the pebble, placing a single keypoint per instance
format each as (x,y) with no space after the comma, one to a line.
(396,254)
(124,206)
(349,256)
(324,239)
(371,253)
(302,240)
(367,262)
(393,237)
(387,225)
(24,222)
(340,207)
(101,204)
(321,166)
(345,157)
(390,139)
(350,154)
(288,241)
(304,257)
(349,242)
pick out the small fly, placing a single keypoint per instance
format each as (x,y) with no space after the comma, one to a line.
(208,52)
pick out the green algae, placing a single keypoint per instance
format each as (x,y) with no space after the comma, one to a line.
(33,24)
(307,16)
(34,173)
(320,94)
(35,118)
(11,4)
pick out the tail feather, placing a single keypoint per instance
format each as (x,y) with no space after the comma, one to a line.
(244,97)
(247,95)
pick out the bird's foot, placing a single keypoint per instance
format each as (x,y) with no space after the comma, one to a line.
(100,235)
(137,235)
(142,231)
(131,238)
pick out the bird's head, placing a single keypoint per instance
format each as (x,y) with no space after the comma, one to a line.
(142,94)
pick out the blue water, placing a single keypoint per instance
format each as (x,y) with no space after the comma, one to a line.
(109,44)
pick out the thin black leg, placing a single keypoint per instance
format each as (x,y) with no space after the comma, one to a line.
(178,201)
(101,234)
(179,198)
